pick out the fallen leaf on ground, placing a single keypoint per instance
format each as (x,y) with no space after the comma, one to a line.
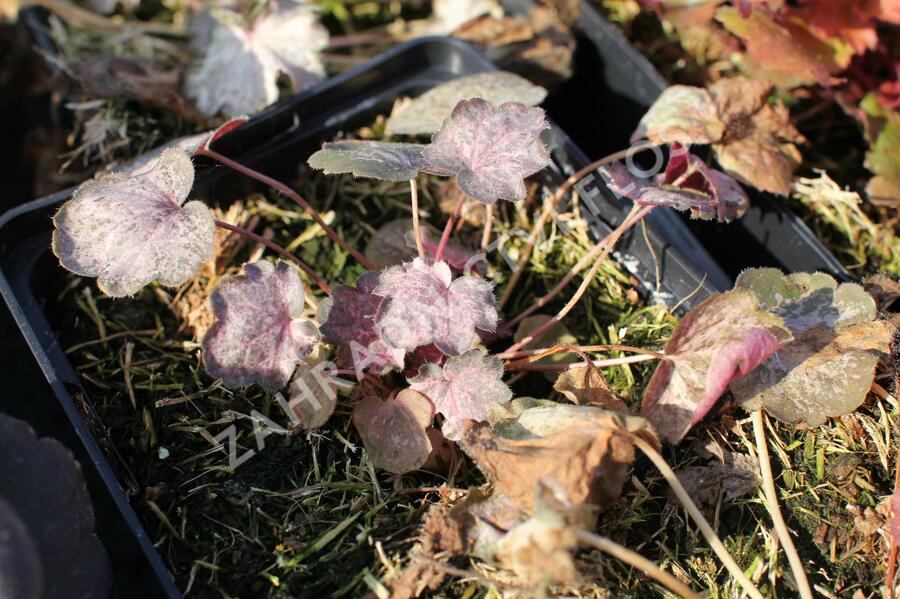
(734,476)
(394,430)
(108,76)
(313,397)
(586,386)
(130,231)
(258,336)
(723,338)
(829,367)
(586,451)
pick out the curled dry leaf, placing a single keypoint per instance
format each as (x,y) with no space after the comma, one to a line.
(539,551)
(425,305)
(239,71)
(829,367)
(723,338)
(394,431)
(129,231)
(465,388)
(376,159)
(258,336)
(347,320)
(687,184)
(753,139)
(490,149)
(783,51)
(758,145)
(586,386)
(584,450)
(426,114)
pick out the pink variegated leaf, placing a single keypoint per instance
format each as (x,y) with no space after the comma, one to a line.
(347,320)
(465,388)
(394,431)
(129,231)
(258,335)
(490,149)
(425,305)
(723,338)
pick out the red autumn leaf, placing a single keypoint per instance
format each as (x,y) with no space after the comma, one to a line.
(723,338)
(781,50)
(258,336)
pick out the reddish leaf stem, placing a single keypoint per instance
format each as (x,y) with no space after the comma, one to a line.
(488,223)
(319,281)
(445,237)
(293,195)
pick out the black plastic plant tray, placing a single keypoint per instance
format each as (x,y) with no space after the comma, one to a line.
(275,142)
(601,105)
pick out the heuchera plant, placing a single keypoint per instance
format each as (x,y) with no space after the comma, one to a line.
(771,340)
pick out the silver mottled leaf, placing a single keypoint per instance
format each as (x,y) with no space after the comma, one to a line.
(347,320)
(129,231)
(238,73)
(723,338)
(829,367)
(426,305)
(465,388)
(490,149)
(426,113)
(375,159)
(258,335)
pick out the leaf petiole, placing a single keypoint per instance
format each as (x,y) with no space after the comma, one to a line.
(319,281)
(290,193)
